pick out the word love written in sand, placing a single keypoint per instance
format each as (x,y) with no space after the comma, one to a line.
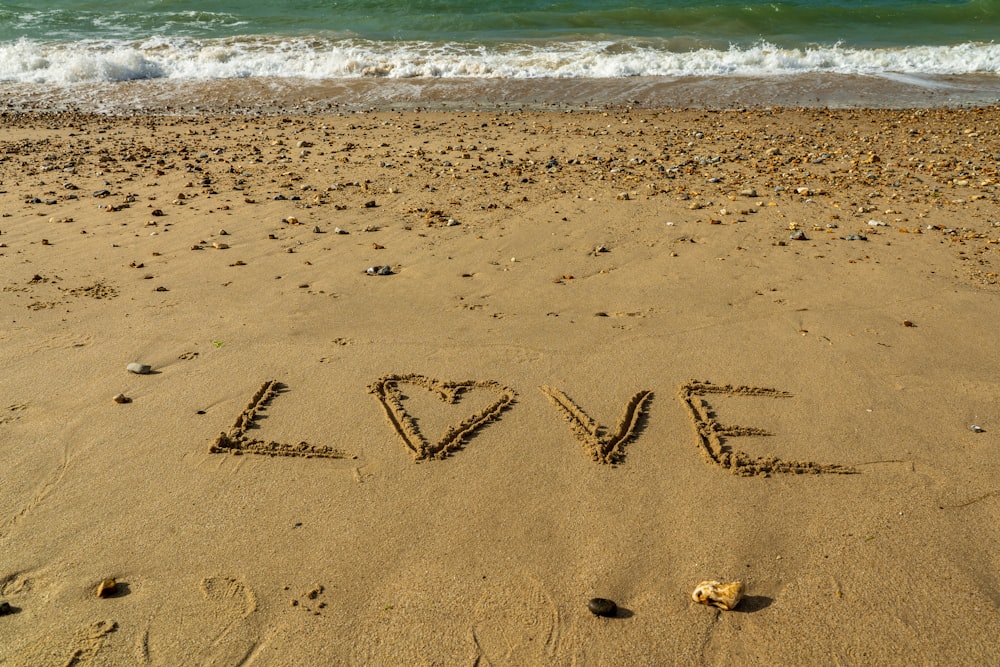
(601,443)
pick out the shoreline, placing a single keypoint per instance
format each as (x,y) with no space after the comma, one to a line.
(276,96)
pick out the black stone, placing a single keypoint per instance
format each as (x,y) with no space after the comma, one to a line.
(602,607)
(5,609)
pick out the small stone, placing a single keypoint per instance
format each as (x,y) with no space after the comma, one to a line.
(908,323)
(292,220)
(139,369)
(156,213)
(223,232)
(338,230)
(602,607)
(107,588)
(121,398)
(798,235)
(370,204)
(5,609)
(317,230)
(220,246)
(385,271)
(976,428)
(723,596)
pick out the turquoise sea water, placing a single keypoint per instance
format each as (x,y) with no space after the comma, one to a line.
(105,40)
(792,23)
(65,43)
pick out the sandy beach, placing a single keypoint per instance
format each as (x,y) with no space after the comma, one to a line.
(423,383)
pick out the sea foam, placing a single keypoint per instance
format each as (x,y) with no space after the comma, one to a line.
(178,58)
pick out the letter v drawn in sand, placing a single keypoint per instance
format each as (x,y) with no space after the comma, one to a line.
(386,390)
(711,434)
(600,445)
(237,441)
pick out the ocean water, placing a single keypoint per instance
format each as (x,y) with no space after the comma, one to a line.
(67,44)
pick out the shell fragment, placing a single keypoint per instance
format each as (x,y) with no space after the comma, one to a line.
(723,596)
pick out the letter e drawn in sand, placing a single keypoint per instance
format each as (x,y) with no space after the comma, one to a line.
(237,441)
(711,434)
(386,390)
(600,445)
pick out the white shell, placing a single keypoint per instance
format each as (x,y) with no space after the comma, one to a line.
(723,596)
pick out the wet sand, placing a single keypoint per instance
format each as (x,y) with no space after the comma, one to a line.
(615,352)
(278,96)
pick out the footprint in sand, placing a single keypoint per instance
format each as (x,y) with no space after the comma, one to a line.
(12,413)
(88,641)
(85,647)
(216,631)
(516,627)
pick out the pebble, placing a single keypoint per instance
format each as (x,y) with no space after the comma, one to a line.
(798,236)
(856,237)
(338,230)
(121,398)
(220,246)
(602,607)
(5,609)
(379,270)
(107,588)
(139,369)
(976,428)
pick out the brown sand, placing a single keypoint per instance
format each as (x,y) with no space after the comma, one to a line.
(427,468)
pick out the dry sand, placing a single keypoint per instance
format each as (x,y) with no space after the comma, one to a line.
(559,392)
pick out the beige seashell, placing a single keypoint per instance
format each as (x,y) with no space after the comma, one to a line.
(723,596)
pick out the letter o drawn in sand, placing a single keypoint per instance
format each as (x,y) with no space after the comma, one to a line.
(386,390)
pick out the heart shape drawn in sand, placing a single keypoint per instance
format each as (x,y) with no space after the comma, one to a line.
(386,390)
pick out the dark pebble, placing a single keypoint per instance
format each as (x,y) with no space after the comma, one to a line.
(5,609)
(602,607)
